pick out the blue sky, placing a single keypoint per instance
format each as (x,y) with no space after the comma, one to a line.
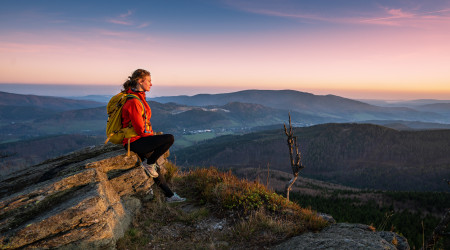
(382,49)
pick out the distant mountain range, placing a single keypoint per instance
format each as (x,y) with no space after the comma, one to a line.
(96,98)
(328,107)
(45,102)
(410,103)
(357,155)
(408,125)
(23,122)
(28,117)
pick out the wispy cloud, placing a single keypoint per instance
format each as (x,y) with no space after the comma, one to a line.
(129,13)
(143,25)
(399,17)
(114,33)
(120,22)
(122,19)
(287,15)
(385,16)
(126,19)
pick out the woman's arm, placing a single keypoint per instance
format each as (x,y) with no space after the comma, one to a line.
(132,112)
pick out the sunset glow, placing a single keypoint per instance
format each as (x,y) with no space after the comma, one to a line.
(375,49)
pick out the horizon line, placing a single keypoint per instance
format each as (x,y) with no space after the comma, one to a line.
(195,94)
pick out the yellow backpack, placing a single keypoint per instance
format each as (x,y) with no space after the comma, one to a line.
(114,131)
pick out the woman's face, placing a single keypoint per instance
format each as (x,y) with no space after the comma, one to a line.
(145,83)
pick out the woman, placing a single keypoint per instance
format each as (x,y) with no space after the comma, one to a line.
(146,145)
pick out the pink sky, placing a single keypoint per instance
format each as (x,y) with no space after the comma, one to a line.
(399,54)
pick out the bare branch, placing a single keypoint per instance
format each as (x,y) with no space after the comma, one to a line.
(296,165)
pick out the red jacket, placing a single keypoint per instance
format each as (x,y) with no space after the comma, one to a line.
(132,112)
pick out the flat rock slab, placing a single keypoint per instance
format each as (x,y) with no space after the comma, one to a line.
(346,236)
(81,200)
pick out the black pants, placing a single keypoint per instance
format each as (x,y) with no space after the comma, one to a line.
(151,148)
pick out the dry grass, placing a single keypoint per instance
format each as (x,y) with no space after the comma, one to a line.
(250,215)
(264,216)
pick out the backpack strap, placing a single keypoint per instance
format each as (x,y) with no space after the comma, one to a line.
(144,113)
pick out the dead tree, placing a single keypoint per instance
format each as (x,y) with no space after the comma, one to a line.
(295,160)
(440,230)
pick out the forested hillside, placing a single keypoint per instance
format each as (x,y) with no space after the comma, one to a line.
(401,212)
(358,155)
(45,102)
(326,106)
(22,154)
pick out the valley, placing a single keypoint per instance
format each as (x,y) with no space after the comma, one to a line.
(401,212)
(244,129)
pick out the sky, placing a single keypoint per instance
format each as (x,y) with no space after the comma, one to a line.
(372,49)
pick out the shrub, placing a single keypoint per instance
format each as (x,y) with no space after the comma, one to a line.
(229,193)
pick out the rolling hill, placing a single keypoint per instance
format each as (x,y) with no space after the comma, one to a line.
(441,108)
(189,124)
(358,155)
(11,114)
(409,125)
(30,126)
(328,106)
(170,118)
(45,102)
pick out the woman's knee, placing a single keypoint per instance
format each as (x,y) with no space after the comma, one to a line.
(170,138)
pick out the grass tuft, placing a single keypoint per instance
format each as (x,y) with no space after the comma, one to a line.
(171,171)
(222,212)
(226,192)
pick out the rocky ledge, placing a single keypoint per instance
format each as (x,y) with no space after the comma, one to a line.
(347,236)
(87,199)
(82,200)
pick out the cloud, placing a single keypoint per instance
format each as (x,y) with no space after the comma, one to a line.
(126,19)
(120,22)
(143,25)
(385,16)
(263,8)
(114,33)
(287,15)
(122,19)
(126,14)
(399,17)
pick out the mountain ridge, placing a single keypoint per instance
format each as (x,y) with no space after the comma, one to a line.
(98,198)
(47,102)
(357,155)
(328,106)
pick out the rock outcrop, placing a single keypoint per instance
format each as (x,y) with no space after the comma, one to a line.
(87,199)
(82,200)
(346,236)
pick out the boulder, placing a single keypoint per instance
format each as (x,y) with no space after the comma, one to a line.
(346,236)
(82,200)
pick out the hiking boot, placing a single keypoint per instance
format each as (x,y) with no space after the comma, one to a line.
(175,198)
(150,169)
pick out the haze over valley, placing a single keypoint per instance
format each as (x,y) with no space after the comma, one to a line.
(35,128)
(365,85)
